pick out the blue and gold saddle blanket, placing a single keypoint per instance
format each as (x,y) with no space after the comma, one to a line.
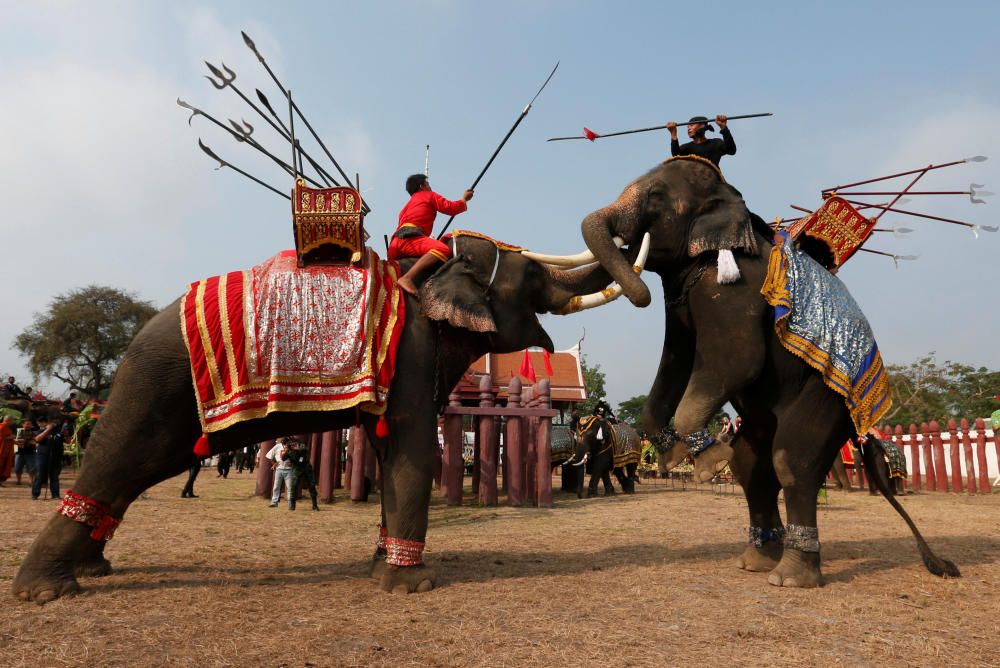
(817,320)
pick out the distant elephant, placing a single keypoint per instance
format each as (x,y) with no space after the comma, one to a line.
(719,346)
(485,299)
(607,447)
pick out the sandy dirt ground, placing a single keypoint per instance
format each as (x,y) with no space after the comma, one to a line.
(648,579)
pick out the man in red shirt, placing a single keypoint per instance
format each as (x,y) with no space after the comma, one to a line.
(412,237)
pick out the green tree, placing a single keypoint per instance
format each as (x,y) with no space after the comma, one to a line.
(82,336)
(593,382)
(925,390)
(630,410)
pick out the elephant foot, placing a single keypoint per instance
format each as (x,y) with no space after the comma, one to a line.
(797,569)
(377,566)
(92,568)
(591,492)
(406,579)
(712,462)
(760,559)
(42,581)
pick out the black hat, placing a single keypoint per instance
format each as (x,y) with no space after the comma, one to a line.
(702,119)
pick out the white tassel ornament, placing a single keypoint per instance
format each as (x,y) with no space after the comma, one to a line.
(728,270)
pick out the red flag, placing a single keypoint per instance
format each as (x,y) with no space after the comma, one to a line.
(590,134)
(527,368)
(548,363)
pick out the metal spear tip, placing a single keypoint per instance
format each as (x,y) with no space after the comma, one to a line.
(264,101)
(214,70)
(194,110)
(976,158)
(989,228)
(248,41)
(211,154)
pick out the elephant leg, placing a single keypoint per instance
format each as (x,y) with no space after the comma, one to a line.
(609,488)
(595,479)
(760,485)
(627,485)
(407,479)
(840,473)
(144,437)
(804,447)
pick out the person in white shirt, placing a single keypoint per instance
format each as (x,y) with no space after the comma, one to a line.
(284,473)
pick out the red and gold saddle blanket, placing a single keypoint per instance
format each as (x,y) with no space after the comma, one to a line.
(283,338)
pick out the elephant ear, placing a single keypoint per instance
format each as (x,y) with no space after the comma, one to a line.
(457,295)
(725,226)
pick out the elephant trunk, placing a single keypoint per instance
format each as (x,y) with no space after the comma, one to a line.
(599,231)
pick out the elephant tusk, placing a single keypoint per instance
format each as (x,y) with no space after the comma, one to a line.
(578,260)
(610,293)
(584,460)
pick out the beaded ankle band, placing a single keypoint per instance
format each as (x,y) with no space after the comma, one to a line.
(89,512)
(400,552)
(760,535)
(803,539)
(698,442)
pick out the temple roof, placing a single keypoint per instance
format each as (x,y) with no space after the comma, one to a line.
(566,380)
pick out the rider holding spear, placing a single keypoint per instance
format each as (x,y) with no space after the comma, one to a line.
(710,149)
(412,237)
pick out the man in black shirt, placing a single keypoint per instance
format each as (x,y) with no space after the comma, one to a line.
(48,456)
(12,391)
(710,149)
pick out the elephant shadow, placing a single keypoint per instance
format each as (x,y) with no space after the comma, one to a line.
(866,556)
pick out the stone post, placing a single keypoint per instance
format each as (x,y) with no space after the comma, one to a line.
(954,455)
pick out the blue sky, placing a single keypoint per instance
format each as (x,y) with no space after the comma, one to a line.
(104,182)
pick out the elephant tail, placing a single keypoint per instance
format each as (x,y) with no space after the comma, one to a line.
(871,452)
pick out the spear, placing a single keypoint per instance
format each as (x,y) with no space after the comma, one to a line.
(319,169)
(591,135)
(227,78)
(973,192)
(223,163)
(885,209)
(975,158)
(242,136)
(524,112)
(253,47)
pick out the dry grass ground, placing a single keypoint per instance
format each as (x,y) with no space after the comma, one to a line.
(643,580)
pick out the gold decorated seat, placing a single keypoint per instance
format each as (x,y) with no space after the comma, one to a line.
(328,224)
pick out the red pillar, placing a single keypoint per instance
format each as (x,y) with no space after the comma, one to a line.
(984,476)
(325,471)
(514,447)
(338,463)
(914,457)
(357,441)
(929,459)
(265,476)
(528,448)
(967,456)
(954,456)
(939,466)
(487,455)
(453,478)
(543,448)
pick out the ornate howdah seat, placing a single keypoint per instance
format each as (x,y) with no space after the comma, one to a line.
(329,225)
